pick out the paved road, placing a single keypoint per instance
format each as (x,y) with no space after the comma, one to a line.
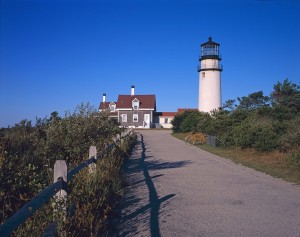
(176,189)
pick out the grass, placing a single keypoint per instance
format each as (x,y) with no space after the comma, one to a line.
(91,202)
(274,163)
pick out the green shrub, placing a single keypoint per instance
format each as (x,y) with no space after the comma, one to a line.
(290,140)
(190,123)
(177,121)
(244,134)
(256,133)
(27,153)
(265,139)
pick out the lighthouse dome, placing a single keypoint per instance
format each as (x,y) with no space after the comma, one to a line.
(210,49)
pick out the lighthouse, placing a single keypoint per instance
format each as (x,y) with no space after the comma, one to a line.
(209,77)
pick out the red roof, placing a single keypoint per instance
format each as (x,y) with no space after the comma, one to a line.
(181,110)
(146,101)
(104,105)
(171,114)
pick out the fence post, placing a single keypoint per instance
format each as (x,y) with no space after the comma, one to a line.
(60,173)
(123,134)
(118,139)
(211,140)
(92,153)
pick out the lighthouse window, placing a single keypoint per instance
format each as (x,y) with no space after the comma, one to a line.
(203,74)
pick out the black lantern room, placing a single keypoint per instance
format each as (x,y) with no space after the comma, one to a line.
(210,50)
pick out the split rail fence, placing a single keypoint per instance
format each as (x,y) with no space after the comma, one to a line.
(58,190)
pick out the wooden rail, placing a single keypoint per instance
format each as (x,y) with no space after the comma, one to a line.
(58,189)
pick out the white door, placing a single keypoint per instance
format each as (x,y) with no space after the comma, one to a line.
(146,120)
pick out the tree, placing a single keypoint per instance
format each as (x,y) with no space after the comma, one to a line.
(253,101)
(286,97)
(54,116)
(229,105)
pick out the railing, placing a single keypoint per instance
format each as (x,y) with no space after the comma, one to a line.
(218,67)
(59,187)
(210,56)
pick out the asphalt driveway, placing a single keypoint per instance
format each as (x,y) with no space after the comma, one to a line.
(175,189)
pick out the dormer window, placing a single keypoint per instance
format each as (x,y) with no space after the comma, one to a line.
(135,104)
(112,107)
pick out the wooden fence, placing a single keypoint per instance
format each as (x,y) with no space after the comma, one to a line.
(58,190)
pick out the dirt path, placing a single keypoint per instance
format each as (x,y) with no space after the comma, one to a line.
(176,189)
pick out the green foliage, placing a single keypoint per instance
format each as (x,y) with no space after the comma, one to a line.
(286,100)
(253,101)
(290,140)
(28,153)
(244,133)
(70,138)
(96,195)
(205,123)
(255,121)
(256,133)
(22,172)
(178,119)
(190,122)
(228,105)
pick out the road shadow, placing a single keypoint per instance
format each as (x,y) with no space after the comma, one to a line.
(138,167)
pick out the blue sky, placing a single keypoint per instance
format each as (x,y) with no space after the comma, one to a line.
(57,54)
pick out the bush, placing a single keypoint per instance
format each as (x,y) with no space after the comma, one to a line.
(177,121)
(255,121)
(190,123)
(265,139)
(27,152)
(256,133)
(244,134)
(96,195)
(71,137)
(290,140)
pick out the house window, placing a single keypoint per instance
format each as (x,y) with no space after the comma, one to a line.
(166,120)
(124,118)
(135,118)
(112,108)
(135,104)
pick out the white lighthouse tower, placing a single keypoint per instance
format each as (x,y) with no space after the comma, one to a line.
(209,77)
